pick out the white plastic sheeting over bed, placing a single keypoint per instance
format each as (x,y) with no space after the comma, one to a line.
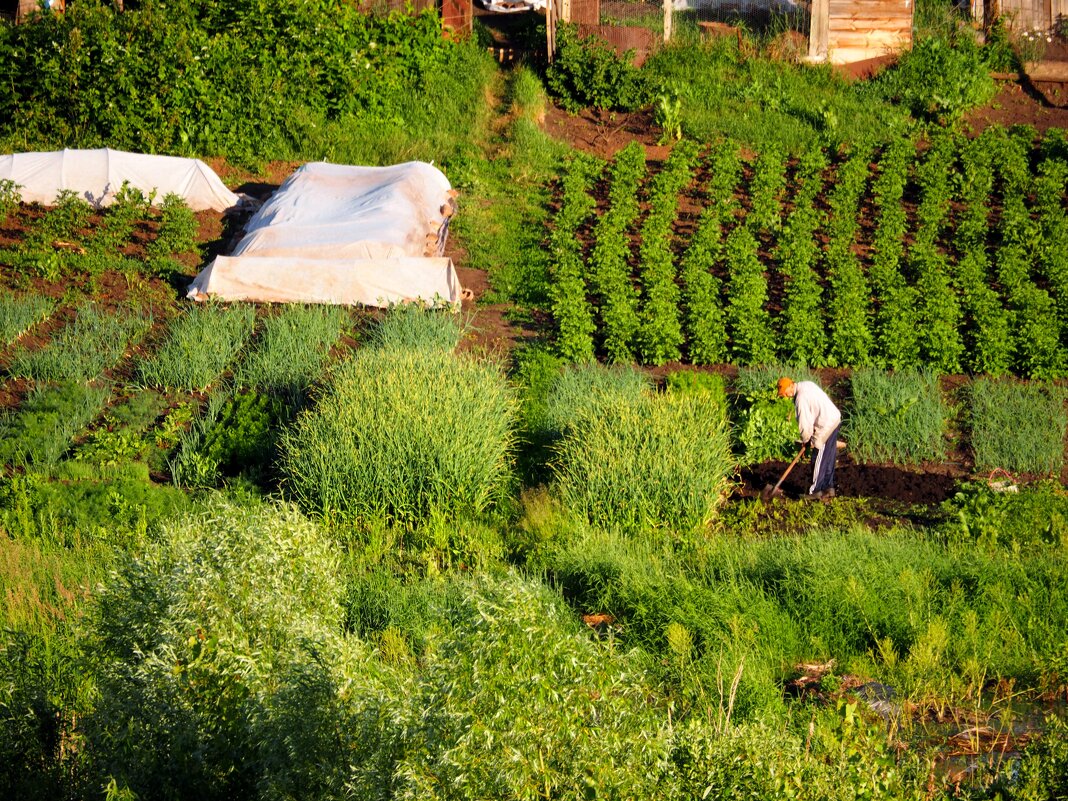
(97,175)
(333,233)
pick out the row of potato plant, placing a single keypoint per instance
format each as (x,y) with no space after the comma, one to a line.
(932,278)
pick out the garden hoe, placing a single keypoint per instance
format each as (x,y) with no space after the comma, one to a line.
(769,491)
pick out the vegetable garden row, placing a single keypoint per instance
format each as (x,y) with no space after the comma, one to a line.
(950,253)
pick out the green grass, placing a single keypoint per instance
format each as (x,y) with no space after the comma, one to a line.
(410,327)
(896,417)
(18,313)
(41,430)
(1016,426)
(580,389)
(83,350)
(763,102)
(291,349)
(201,343)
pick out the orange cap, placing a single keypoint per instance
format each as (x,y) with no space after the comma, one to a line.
(784,386)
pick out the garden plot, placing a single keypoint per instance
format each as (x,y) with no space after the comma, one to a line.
(950,257)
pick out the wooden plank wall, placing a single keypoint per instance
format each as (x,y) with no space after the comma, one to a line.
(857,30)
(1025,15)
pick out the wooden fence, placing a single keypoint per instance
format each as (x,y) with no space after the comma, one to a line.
(1021,15)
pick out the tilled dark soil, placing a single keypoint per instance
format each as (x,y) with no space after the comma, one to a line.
(888,482)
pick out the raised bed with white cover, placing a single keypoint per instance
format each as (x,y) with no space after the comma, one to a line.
(333,233)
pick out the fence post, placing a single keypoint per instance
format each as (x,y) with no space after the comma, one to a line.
(820,30)
(667,20)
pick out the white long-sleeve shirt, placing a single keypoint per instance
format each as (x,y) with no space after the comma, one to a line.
(817,416)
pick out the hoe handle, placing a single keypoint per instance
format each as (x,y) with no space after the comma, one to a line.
(797,458)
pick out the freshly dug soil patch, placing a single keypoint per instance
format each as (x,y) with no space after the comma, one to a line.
(855,481)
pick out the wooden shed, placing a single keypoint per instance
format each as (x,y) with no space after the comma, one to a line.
(847,31)
(1021,15)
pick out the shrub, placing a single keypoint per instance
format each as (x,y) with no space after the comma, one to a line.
(656,460)
(939,79)
(195,636)
(1017,427)
(896,417)
(587,72)
(403,435)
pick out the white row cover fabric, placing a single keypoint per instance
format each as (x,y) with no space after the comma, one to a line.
(97,175)
(340,234)
(353,282)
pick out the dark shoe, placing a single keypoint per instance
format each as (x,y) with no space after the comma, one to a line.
(812,496)
(827,495)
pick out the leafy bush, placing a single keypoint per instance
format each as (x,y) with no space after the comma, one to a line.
(704,385)
(649,461)
(587,72)
(246,81)
(939,78)
(1017,427)
(196,636)
(765,424)
(896,417)
(403,435)
(245,435)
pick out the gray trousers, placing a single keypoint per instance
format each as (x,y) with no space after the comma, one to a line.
(823,460)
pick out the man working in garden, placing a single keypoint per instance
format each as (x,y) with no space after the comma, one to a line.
(818,420)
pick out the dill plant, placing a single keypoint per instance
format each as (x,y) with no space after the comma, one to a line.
(40,432)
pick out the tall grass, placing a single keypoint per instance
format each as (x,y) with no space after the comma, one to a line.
(292,349)
(412,327)
(40,431)
(95,341)
(650,461)
(403,435)
(579,389)
(201,343)
(1017,427)
(896,417)
(18,313)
